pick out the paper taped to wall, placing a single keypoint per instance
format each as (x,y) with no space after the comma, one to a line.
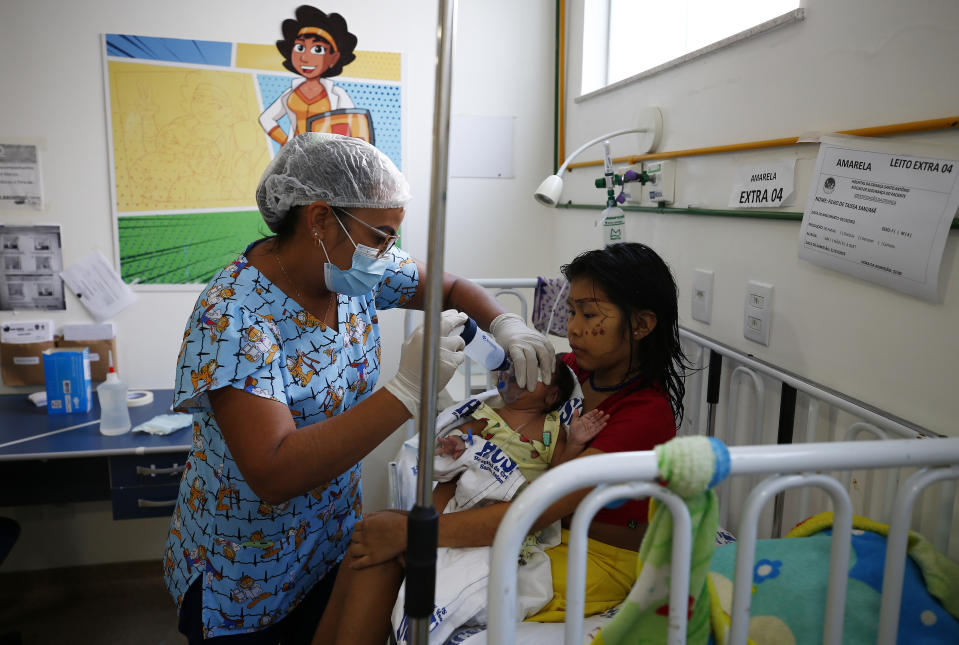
(881,211)
(98,286)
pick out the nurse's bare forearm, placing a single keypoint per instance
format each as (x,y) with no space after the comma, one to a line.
(461,294)
(280,461)
(466,295)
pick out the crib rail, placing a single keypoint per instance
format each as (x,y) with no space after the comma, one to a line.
(741,401)
(789,465)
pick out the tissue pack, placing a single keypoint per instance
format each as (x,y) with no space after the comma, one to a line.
(66,372)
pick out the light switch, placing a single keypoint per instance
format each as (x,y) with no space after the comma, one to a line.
(758,311)
(702,296)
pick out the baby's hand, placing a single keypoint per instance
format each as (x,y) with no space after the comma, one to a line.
(582,429)
(452,445)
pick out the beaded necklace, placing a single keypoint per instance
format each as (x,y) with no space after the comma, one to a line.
(611,388)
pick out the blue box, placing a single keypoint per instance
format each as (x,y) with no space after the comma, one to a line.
(66,371)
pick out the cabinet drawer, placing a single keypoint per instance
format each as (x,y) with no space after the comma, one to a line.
(147,470)
(144,501)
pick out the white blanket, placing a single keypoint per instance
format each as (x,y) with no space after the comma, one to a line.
(486,475)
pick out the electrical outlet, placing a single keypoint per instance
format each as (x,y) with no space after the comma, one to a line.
(702,296)
(758,311)
(662,185)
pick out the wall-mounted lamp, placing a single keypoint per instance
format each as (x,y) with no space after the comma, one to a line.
(650,124)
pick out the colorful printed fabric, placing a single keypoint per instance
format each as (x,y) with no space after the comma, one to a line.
(791,575)
(258,560)
(531,456)
(549,306)
(689,466)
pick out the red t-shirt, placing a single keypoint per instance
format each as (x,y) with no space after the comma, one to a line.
(640,418)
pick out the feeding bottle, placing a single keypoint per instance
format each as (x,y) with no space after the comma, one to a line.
(481,347)
(114,415)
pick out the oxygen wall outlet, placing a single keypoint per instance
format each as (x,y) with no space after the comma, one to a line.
(633,189)
(661,187)
(758,312)
(702,296)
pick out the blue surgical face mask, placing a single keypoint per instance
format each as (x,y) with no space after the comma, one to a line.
(363,275)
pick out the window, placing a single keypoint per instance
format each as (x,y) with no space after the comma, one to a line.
(641,36)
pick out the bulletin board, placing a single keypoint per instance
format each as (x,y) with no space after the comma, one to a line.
(187,147)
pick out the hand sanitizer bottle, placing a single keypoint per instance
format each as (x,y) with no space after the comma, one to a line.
(114,415)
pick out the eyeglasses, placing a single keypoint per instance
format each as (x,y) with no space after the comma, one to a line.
(388,240)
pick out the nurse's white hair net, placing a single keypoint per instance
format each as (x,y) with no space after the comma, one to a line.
(341,171)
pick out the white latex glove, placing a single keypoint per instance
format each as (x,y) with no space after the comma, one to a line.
(407,385)
(527,349)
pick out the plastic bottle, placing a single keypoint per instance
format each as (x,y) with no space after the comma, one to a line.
(114,415)
(481,347)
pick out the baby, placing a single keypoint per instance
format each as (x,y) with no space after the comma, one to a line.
(527,428)
(524,435)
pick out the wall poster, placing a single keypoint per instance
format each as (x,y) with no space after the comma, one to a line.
(192,125)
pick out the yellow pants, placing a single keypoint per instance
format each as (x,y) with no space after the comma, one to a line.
(610,574)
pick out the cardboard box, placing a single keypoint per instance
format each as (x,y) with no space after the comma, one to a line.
(67,375)
(21,347)
(22,363)
(99,353)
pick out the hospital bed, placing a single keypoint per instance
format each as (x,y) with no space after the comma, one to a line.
(778,478)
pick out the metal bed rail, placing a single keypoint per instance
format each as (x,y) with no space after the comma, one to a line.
(755,388)
(785,466)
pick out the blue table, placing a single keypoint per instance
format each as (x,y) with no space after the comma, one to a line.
(62,458)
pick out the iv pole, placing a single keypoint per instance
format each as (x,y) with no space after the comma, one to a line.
(423,522)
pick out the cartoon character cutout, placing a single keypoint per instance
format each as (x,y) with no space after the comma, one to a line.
(316,46)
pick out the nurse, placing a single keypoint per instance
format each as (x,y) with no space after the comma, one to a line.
(282,390)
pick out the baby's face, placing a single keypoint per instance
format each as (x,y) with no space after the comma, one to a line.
(511,392)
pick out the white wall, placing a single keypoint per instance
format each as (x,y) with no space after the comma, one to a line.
(850,64)
(51,74)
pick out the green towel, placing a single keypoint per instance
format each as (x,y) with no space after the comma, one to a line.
(688,466)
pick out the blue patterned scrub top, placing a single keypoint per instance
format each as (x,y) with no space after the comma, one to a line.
(257,560)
